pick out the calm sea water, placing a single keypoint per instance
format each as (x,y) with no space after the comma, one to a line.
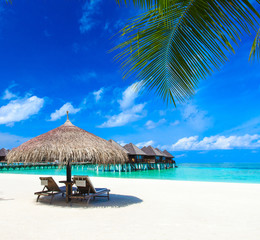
(225,172)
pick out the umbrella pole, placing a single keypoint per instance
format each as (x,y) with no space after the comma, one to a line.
(68,172)
(69,186)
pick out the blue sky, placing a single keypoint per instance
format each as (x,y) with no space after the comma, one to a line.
(54,57)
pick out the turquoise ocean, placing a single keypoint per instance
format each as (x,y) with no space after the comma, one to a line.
(224,172)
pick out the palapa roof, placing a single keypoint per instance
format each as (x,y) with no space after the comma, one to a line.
(151,151)
(118,145)
(133,150)
(65,143)
(168,154)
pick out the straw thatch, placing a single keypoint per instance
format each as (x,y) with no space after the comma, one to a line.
(168,154)
(133,150)
(67,143)
(162,153)
(3,152)
(151,151)
(118,146)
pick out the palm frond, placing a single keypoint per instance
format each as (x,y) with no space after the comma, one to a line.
(171,50)
(146,3)
(255,50)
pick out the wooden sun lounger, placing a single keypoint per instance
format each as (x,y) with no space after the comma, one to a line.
(86,190)
(51,187)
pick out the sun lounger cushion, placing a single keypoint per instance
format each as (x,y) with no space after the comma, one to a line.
(86,189)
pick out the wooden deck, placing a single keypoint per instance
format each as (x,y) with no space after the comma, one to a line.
(128,167)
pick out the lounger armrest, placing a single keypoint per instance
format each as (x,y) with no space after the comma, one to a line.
(37,193)
(99,190)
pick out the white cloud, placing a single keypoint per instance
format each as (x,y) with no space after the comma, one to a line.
(87,21)
(98,94)
(175,123)
(91,75)
(130,115)
(181,155)
(119,24)
(46,33)
(86,76)
(129,111)
(9,141)
(8,95)
(150,124)
(99,113)
(20,109)
(142,144)
(195,118)
(62,111)
(128,96)
(217,142)
(162,112)
(122,143)
(106,27)
(250,127)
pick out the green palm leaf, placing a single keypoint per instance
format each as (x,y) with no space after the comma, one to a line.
(171,49)
(255,50)
(146,3)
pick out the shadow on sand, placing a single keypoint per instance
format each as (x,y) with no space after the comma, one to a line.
(116,201)
(6,199)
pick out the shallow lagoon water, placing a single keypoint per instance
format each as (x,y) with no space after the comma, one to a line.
(240,173)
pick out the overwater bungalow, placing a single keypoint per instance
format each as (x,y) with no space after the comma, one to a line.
(135,154)
(163,157)
(3,153)
(145,155)
(152,155)
(169,157)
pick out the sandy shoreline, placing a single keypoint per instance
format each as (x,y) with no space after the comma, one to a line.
(138,209)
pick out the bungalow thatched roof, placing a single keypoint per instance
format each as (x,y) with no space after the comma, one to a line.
(3,152)
(163,154)
(151,151)
(133,150)
(168,154)
(65,143)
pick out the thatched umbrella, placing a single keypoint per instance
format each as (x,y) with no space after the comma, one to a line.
(67,144)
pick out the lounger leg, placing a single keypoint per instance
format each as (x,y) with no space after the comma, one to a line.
(88,200)
(51,198)
(107,195)
(38,198)
(83,198)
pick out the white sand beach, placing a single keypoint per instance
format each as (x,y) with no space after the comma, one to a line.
(138,209)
